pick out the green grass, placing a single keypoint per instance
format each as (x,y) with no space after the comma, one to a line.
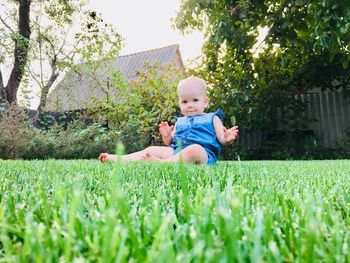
(267,211)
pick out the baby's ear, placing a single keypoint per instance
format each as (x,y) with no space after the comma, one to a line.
(206,101)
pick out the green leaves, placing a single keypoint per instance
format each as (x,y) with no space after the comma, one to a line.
(144,103)
(301,2)
(305,46)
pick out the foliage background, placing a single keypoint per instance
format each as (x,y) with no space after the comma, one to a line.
(306,48)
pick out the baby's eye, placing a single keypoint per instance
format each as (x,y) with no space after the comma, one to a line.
(195,100)
(184,101)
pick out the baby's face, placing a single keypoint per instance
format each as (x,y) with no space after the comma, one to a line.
(192,101)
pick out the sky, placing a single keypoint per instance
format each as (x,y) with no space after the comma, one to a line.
(146,24)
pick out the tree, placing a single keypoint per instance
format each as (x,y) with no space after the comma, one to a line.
(306,46)
(21,39)
(64,35)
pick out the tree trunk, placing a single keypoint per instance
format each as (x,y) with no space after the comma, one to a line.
(46,88)
(21,51)
(2,88)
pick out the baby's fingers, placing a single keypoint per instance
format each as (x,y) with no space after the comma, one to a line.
(162,124)
(233,129)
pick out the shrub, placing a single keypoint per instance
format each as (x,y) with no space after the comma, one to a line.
(40,146)
(81,142)
(344,145)
(132,139)
(136,107)
(76,140)
(16,132)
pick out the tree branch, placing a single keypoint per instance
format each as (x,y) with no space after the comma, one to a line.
(6,46)
(35,78)
(46,88)
(6,25)
(63,42)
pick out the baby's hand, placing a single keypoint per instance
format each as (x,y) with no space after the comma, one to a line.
(164,129)
(230,134)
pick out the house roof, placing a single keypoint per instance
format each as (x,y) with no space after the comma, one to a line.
(76,90)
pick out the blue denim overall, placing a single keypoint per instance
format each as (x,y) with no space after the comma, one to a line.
(198,129)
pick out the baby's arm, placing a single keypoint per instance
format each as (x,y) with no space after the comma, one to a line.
(225,136)
(167,132)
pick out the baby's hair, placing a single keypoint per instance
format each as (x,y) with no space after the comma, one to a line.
(195,82)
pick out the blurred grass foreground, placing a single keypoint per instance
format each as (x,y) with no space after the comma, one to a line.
(257,211)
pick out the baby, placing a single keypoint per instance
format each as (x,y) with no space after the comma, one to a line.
(196,137)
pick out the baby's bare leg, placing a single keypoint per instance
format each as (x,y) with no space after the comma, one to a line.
(158,152)
(191,154)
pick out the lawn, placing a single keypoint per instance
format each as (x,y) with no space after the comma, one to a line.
(257,211)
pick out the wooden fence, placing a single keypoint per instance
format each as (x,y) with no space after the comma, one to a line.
(330,112)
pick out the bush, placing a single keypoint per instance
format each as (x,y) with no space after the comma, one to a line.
(16,132)
(81,142)
(133,139)
(231,152)
(138,106)
(21,140)
(344,145)
(291,145)
(41,146)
